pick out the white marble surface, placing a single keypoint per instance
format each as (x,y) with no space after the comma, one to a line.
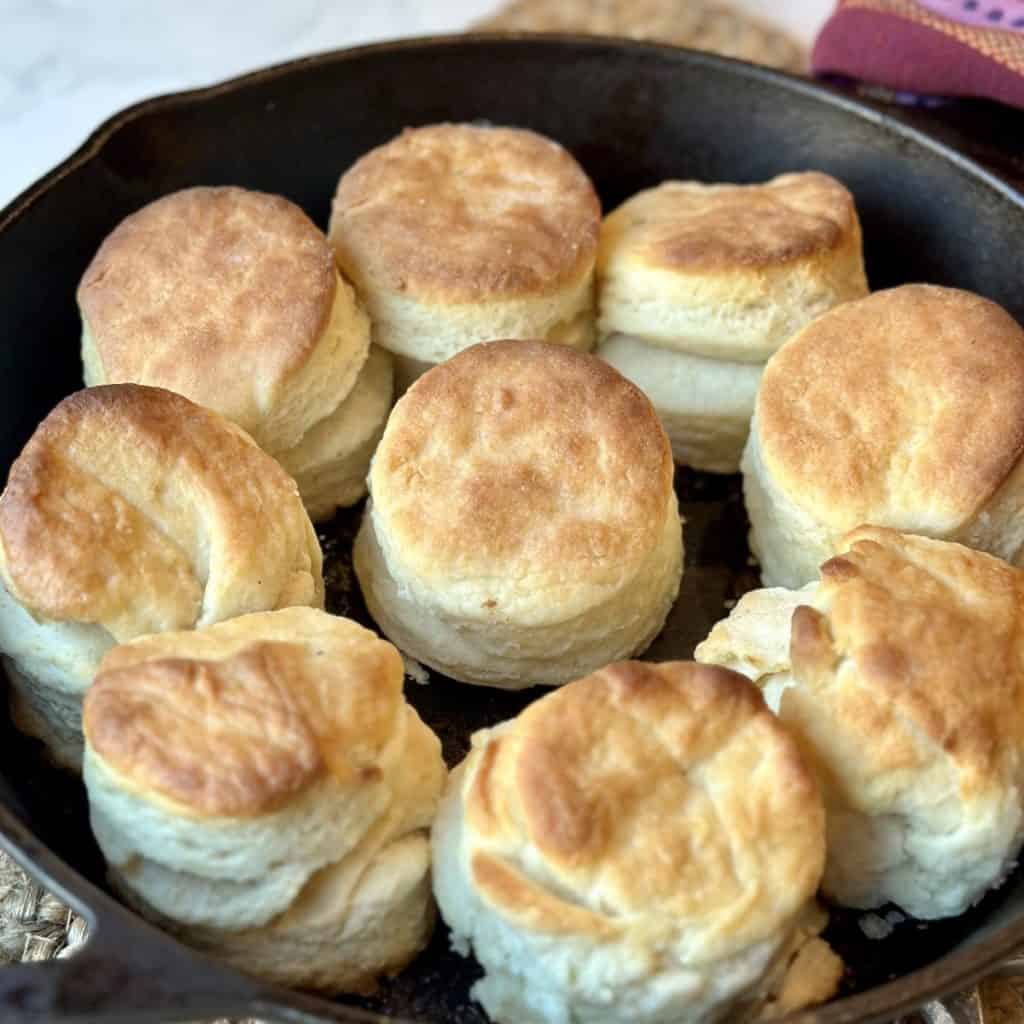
(66,65)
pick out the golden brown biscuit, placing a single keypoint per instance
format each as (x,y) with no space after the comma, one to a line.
(729,271)
(901,674)
(635,832)
(132,510)
(231,298)
(261,788)
(456,233)
(905,409)
(523,525)
(700,284)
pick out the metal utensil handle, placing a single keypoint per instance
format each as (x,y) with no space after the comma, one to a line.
(959,1008)
(996,999)
(103,988)
(100,985)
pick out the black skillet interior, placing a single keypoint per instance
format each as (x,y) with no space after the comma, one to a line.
(633,115)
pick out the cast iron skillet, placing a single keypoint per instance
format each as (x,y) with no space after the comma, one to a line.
(633,114)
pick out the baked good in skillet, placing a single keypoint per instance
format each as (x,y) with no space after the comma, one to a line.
(904,409)
(700,283)
(900,670)
(261,788)
(643,844)
(455,234)
(522,526)
(132,510)
(331,461)
(231,298)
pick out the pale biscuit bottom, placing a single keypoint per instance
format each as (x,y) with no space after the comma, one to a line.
(339,940)
(998,527)
(507,654)
(331,462)
(338,936)
(722,320)
(930,873)
(705,404)
(49,666)
(432,333)
(787,541)
(577,333)
(47,713)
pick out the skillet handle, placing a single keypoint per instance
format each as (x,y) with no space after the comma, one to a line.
(126,972)
(152,982)
(96,988)
(129,972)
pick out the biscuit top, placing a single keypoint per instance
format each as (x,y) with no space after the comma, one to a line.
(465,213)
(912,667)
(522,462)
(220,294)
(904,409)
(237,719)
(685,227)
(132,508)
(664,801)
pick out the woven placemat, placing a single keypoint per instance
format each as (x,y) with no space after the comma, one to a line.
(33,924)
(36,926)
(697,24)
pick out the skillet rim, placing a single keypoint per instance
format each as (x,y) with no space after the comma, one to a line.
(953,971)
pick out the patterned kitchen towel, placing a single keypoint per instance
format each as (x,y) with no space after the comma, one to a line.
(930,47)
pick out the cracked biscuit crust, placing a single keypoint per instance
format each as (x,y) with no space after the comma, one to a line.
(645,796)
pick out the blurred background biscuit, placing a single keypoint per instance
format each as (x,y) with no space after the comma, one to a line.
(697,24)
